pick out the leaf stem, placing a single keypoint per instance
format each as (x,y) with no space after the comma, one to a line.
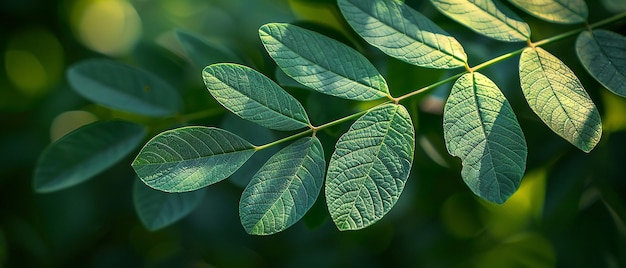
(200,114)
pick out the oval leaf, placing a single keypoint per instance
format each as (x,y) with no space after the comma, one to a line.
(369,167)
(480,128)
(203,53)
(403,33)
(254,97)
(123,87)
(322,63)
(603,53)
(556,95)
(284,189)
(157,209)
(85,152)
(557,11)
(189,158)
(487,17)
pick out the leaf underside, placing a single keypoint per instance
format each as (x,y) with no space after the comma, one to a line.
(557,11)
(603,54)
(284,189)
(85,152)
(123,87)
(481,129)
(369,167)
(322,63)
(556,95)
(157,209)
(254,97)
(189,158)
(487,17)
(403,33)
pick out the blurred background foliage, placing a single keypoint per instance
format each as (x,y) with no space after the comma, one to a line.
(570,210)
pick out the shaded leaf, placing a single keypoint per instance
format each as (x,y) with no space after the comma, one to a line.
(556,95)
(322,63)
(157,209)
(558,11)
(487,17)
(284,189)
(85,152)
(480,128)
(123,87)
(603,53)
(403,33)
(254,97)
(201,52)
(189,158)
(369,167)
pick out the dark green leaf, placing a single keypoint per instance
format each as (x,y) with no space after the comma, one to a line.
(254,97)
(480,128)
(403,33)
(123,87)
(284,189)
(189,158)
(157,209)
(603,53)
(203,53)
(556,95)
(85,152)
(369,167)
(322,63)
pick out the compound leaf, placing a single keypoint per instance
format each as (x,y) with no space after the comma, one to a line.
(322,63)
(480,128)
(487,17)
(403,33)
(254,97)
(189,158)
(556,95)
(284,189)
(603,53)
(203,53)
(157,209)
(85,152)
(557,11)
(369,167)
(123,87)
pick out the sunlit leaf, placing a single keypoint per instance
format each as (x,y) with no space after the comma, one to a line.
(487,17)
(284,189)
(203,53)
(558,11)
(369,167)
(123,87)
(603,53)
(157,209)
(480,128)
(556,95)
(254,97)
(189,158)
(322,63)
(85,152)
(403,33)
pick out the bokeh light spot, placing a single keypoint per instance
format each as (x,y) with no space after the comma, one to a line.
(68,121)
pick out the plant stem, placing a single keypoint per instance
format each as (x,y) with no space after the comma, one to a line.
(200,114)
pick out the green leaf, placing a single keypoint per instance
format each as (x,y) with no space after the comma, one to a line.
(557,11)
(254,97)
(189,158)
(403,33)
(85,152)
(487,17)
(157,209)
(123,87)
(203,53)
(369,167)
(284,189)
(559,99)
(480,128)
(603,53)
(322,63)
